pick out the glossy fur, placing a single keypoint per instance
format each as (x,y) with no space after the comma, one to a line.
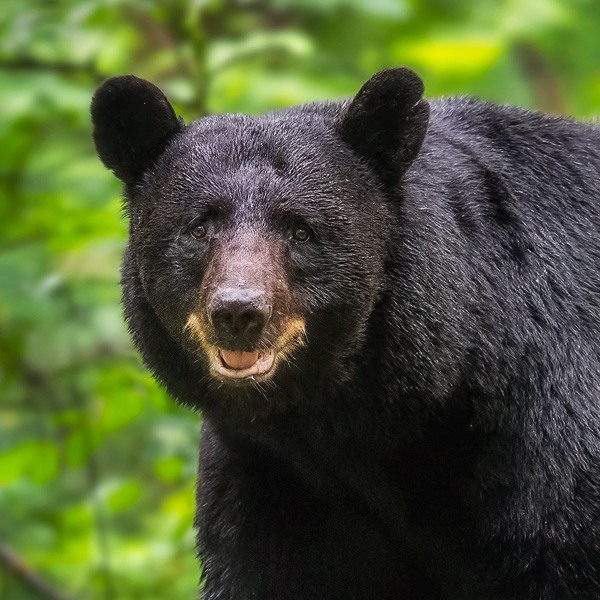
(433,432)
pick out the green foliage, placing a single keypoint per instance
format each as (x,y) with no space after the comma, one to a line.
(96,464)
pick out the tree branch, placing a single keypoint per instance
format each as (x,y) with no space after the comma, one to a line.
(32,64)
(543,79)
(15,566)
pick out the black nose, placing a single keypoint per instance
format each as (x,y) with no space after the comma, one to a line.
(238,317)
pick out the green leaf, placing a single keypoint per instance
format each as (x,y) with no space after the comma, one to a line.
(36,459)
(124,496)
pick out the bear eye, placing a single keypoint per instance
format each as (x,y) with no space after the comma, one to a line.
(198,230)
(301,233)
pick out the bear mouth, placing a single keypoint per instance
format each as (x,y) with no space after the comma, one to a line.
(239,366)
(236,367)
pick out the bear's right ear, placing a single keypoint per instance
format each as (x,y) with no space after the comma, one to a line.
(386,122)
(133,122)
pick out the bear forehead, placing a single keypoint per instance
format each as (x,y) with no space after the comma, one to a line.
(287,160)
(231,154)
(273,138)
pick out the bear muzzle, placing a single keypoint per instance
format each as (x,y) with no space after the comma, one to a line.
(245,319)
(238,317)
(237,364)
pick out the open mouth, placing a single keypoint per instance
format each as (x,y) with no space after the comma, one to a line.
(243,365)
(238,367)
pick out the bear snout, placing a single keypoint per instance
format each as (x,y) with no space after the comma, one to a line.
(239,316)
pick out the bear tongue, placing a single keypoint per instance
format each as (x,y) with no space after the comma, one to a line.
(239,360)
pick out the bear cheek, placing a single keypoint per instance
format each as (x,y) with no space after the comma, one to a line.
(171,298)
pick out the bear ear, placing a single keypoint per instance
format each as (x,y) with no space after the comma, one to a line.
(386,122)
(133,122)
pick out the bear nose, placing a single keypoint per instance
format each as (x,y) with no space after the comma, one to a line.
(238,317)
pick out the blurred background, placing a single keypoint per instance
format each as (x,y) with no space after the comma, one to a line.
(97,465)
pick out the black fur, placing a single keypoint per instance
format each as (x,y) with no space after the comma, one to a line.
(437,435)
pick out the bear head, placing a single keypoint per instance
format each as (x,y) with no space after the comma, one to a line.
(257,244)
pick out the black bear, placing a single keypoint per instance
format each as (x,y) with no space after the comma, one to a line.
(388,312)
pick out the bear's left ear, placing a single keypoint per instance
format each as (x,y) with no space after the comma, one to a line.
(133,122)
(386,122)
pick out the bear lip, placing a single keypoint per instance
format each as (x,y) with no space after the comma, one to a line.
(261,366)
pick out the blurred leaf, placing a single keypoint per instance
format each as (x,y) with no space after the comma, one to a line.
(169,469)
(451,56)
(36,459)
(125,496)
